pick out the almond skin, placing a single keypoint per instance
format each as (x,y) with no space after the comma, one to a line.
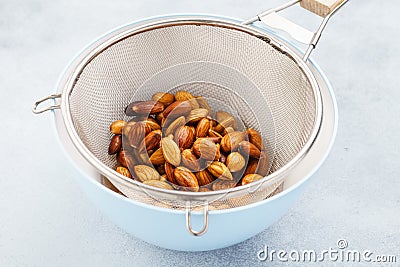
(115,144)
(249,178)
(150,122)
(177,109)
(190,161)
(124,171)
(230,142)
(219,170)
(204,177)
(248,149)
(184,137)
(235,162)
(263,164)
(229,122)
(255,138)
(152,140)
(197,114)
(169,172)
(137,133)
(202,128)
(205,149)
(125,159)
(165,98)
(223,184)
(147,107)
(157,158)
(203,103)
(117,126)
(251,167)
(183,95)
(176,124)
(171,151)
(144,173)
(184,177)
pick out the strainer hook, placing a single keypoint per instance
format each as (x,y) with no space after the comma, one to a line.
(205,220)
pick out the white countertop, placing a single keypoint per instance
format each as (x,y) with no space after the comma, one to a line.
(46,220)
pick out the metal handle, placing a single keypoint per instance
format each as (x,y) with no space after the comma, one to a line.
(205,220)
(52,107)
(323,8)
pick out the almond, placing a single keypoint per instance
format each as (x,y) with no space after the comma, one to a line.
(152,140)
(228,130)
(190,161)
(222,158)
(125,159)
(229,122)
(184,137)
(150,122)
(197,114)
(248,149)
(159,184)
(129,111)
(214,139)
(161,169)
(171,129)
(251,167)
(171,151)
(169,171)
(249,178)
(235,162)
(144,107)
(137,133)
(204,177)
(157,158)
(212,133)
(184,177)
(204,189)
(117,126)
(223,184)
(165,98)
(183,95)
(115,144)
(255,138)
(127,128)
(144,173)
(205,148)
(219,170)
(203,127)
(222,115)
(124,171)
(230,142)
(177,109)
(141,157)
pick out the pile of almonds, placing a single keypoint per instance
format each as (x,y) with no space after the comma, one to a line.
(174,142)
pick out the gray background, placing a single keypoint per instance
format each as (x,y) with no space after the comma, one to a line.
(47,221)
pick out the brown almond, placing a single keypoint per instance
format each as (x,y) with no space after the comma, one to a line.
(147,107)
(141,156)
(193,103)
(137,133)
(165,98)
(159,118)
(184,137)
(144,173)
(255,138)
(204,189)
(205,148)
(263,164)
(125,159)
(150,122)
(184,177)
(229,122)
(127,128)
(117,126)
(222,158)
(197,114)
(230,142)
(228,130)
(183,95)
(212,133)
(248,149)
(218,152)
(161,169)
(124,171)
(223,184)
(251,167)
(177,109)
(169,171)
(222,115)
(115,144)
(203,127)
(219,170)
(235,162)
(189,160)
(152,140)
(171,129)
(171,151)
(157,158)
(213,139)
(129,111)
(159,184)
(163,178)
(204,177)
(249,178)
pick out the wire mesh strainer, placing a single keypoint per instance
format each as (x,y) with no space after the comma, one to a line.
(266,83)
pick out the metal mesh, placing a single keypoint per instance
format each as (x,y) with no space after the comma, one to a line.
(264,86)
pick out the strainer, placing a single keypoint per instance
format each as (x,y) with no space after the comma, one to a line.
(250,71)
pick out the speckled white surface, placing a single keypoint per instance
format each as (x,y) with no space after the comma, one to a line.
(47,221)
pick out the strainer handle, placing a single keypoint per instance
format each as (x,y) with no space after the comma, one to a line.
(205,220)
(37,110)
(323,8)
